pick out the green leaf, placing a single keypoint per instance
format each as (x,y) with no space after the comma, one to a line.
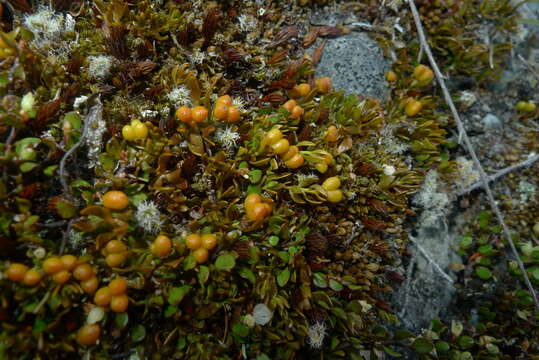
(240,330)
(465,341)
(246,273)
(466,242)
(335,285)
(534,272)
(170,310)
(189,262)
(422,346)
(73,119)
(273,240)
(402,335)
(203,274)
(50,170)
(283,277)
(391,352)
(483,272)
(27,167)
(442,346)
(486,250)
(255,176)
(66,209)
(39,326)
(138,333)
(176,294)
(484,219)
(319,279)
(121,320)
(225,262)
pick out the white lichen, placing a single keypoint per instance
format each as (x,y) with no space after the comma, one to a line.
(435,202)
(316,335)
(148,217)
(238,103)
(99,66)
(180,96)
(197,57)
(95,128)
(468,175)
(227,138)
(390,143)
(247,22)
(48,28)
(526,191)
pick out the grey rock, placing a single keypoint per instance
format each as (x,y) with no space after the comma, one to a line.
(491,121)
(356,64)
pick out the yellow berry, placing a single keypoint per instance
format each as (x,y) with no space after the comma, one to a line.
(115,200)
(69,261)
(331,134)
(61,277)
(296,112)
(16,272)
(193,241)
(233,115)
(292,151)
(259,212)
(324,85)
(115,247)
(209,241)
(161,246)
(32,277)
(280,147)
(201,255)
(251,201)
(273,136)
(119,303)
(413,107)
(334,196)
(140,129)
(103,296)
(128,133)
(391,76)
(220,112)
(115,260)
(302,89)
(88,334)
(224,100)
(295,162)
(322,167)
(117,286)
(289,105)
(83,272)
(53,265)
(331,183)
(90,285)
(423,74)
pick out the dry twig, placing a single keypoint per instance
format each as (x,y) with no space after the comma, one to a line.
(464,136)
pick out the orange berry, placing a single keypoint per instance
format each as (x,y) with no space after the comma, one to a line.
(324,85)
(69,261)
(184,114)
(296,112)
(413,107)
(53,265)
(16,272)
(119,303)
(302,89)
(90,286)
(331,134)
(233,115)
(161,246)
(391,76)
(259,212)
(201,255)
(289,105)
(102,296)
(209,241)
(83,272)
(118,286)
(115,200)
(88,334)
(115,260)
(199,113)
(295,162)
(115,247)
(220,112)
(224,100)
(251,201)
(273,136)
(193,241)
(61,277)
(32,277)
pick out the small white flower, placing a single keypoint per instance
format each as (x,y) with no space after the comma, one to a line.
(148,217)
(238,103)
(149,113)
(99,66)
(389,170)
(95,315)
(249,320)
(27,102)
(227,138)
(180,96)
(79,101)
(316,335)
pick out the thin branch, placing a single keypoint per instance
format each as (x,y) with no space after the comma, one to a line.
(468,144)
(65,236)
(429,258)
(528,162)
